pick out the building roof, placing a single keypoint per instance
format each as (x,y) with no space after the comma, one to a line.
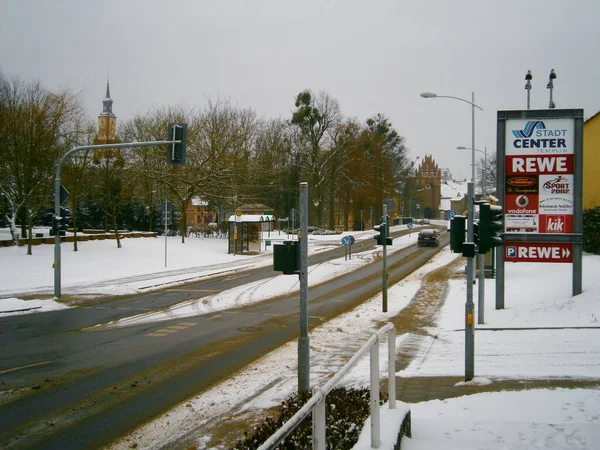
(252,218)
(590,118)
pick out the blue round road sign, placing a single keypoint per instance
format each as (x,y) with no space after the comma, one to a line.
(346,240)
(409,225)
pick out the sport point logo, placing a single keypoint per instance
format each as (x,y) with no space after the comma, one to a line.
(528,130)
(522,201)
(559,185)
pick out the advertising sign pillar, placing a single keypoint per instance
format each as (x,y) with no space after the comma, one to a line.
(540,185)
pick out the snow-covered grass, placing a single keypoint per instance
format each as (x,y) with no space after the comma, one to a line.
(538,298)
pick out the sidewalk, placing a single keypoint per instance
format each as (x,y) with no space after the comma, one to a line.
(420,389)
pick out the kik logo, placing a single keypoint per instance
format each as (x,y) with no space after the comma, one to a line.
(555,225)
(528,130)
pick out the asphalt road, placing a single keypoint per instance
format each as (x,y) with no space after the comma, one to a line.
(77,387)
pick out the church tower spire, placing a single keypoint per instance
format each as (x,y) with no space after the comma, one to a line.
(107,102)
(107,121)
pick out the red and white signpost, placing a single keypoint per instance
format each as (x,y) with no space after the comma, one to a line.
(540,185)
(546,252)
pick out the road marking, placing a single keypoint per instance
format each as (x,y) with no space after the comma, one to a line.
(194,290)
(24,367)
(214,317)
(171,329)
(167,330)
(235,277)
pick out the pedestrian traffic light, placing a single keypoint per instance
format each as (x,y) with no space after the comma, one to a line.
(457,233)
(382,238)
(286,257)
(491,227)
(176,152)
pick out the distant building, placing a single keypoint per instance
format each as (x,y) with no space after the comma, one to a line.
(429,178)
(107,127)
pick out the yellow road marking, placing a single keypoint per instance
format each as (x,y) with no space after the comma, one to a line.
(24,367)
(235,277)
(195,290)
(172,329)
(214,317)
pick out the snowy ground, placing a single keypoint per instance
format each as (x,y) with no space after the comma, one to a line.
(538,298)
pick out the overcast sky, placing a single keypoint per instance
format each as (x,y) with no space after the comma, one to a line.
(371,56)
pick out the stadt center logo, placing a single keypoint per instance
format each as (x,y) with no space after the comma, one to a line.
(535,135)
(527,131)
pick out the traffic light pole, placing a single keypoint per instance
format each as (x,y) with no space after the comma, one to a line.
(57,255)
(469,306)
(303,340)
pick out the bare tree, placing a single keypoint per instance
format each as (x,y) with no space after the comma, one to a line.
(317,118)
(34,129)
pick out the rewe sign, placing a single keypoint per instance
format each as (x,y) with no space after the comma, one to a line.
(538,252)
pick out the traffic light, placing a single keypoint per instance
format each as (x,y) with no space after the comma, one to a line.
(176,152)
(491,227)
(382,238)
(457,233)
(286,257)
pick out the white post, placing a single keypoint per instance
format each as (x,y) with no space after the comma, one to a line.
(318,422)
(374,401)
(392,367)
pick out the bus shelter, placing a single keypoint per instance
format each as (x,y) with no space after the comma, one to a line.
(246,232)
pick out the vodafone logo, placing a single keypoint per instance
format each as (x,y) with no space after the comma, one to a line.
(522,201)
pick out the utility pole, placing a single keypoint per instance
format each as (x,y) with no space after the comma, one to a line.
(550,86)
(303,340)
(528,78)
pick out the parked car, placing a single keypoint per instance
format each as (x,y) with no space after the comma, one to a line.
(428,237)
(424,222)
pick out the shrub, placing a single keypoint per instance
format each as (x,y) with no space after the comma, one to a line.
(591,230)
(346,411)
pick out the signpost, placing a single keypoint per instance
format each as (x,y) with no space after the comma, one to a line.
(347,242)
(540,159)
(547,252)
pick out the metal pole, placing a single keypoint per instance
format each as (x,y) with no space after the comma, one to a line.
(473,137)
(481,262)
(57,254)
(469,306)
(303,341)
(165,218)
(384,275)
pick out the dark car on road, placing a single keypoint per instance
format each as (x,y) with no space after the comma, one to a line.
(428,237)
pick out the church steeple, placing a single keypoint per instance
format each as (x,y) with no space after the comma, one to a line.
(107,121)
(107,102)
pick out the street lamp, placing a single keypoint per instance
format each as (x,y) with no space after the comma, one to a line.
(484,151)
(469,306)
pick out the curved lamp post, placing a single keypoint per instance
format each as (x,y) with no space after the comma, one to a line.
(469,306)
